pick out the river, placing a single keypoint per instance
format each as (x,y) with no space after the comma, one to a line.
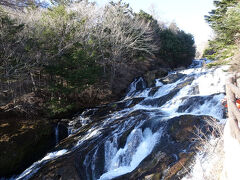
(128,139)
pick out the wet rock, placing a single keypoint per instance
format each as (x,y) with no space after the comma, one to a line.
(192,102)
(133,102)
(62,130)
(141,84)
(179,68)
(157,102)
(153,176)
(163,99)
(123,138)
(153,91)
(77,124)
(153,166)
(62,170)
(180,168)
(150,76)
(184,83)
(171,78)
(105,110)
(181,129)
(195,90)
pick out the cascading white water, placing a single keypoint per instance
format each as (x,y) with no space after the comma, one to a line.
(36,166)
(135,86)
(195,91)
(207,82)
(139,144)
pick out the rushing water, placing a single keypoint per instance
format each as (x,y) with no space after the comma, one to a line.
(57,133)
(116,138)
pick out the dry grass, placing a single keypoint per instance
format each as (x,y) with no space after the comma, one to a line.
(209,161)
(213,148)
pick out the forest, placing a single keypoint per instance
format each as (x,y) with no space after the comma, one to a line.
(64,47)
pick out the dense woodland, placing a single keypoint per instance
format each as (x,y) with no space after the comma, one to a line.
(64,47)
(225,22)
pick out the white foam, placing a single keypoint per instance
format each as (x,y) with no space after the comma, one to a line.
(145,147)
(36,166)
(158,83)
(133,87)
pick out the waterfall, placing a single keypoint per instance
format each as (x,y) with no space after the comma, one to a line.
(115,139)
(135,86)
(139,144)
(57,133)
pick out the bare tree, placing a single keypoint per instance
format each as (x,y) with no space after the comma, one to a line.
(113,33)
(19,4)
(123,35)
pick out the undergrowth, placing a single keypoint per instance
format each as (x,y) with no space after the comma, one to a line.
(208,163)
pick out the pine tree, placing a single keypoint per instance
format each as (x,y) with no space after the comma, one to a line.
(216,17)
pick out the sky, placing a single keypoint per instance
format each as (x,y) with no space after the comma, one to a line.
(187,14)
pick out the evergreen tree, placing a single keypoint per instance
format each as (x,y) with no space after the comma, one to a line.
(217,16)
(224,20)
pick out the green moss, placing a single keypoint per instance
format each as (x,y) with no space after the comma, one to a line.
(114,106)
(217,63)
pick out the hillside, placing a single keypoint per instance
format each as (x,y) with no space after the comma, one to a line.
(58,59)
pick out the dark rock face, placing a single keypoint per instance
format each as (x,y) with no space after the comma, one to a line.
(174,151)
(192,102)
(25,136)
(153,91)
(62,128)
(23,142)
(157,102)
(150,76)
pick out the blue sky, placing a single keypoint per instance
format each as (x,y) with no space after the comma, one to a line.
(188,14)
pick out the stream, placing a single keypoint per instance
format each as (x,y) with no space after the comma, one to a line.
(143,135)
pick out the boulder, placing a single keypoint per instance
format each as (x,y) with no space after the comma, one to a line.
(171,78)
(150,76)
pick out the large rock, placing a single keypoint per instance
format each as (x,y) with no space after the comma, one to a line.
(171,78)
(25,136)
(150,76)
(23,142)
(158,102)
(172,157)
